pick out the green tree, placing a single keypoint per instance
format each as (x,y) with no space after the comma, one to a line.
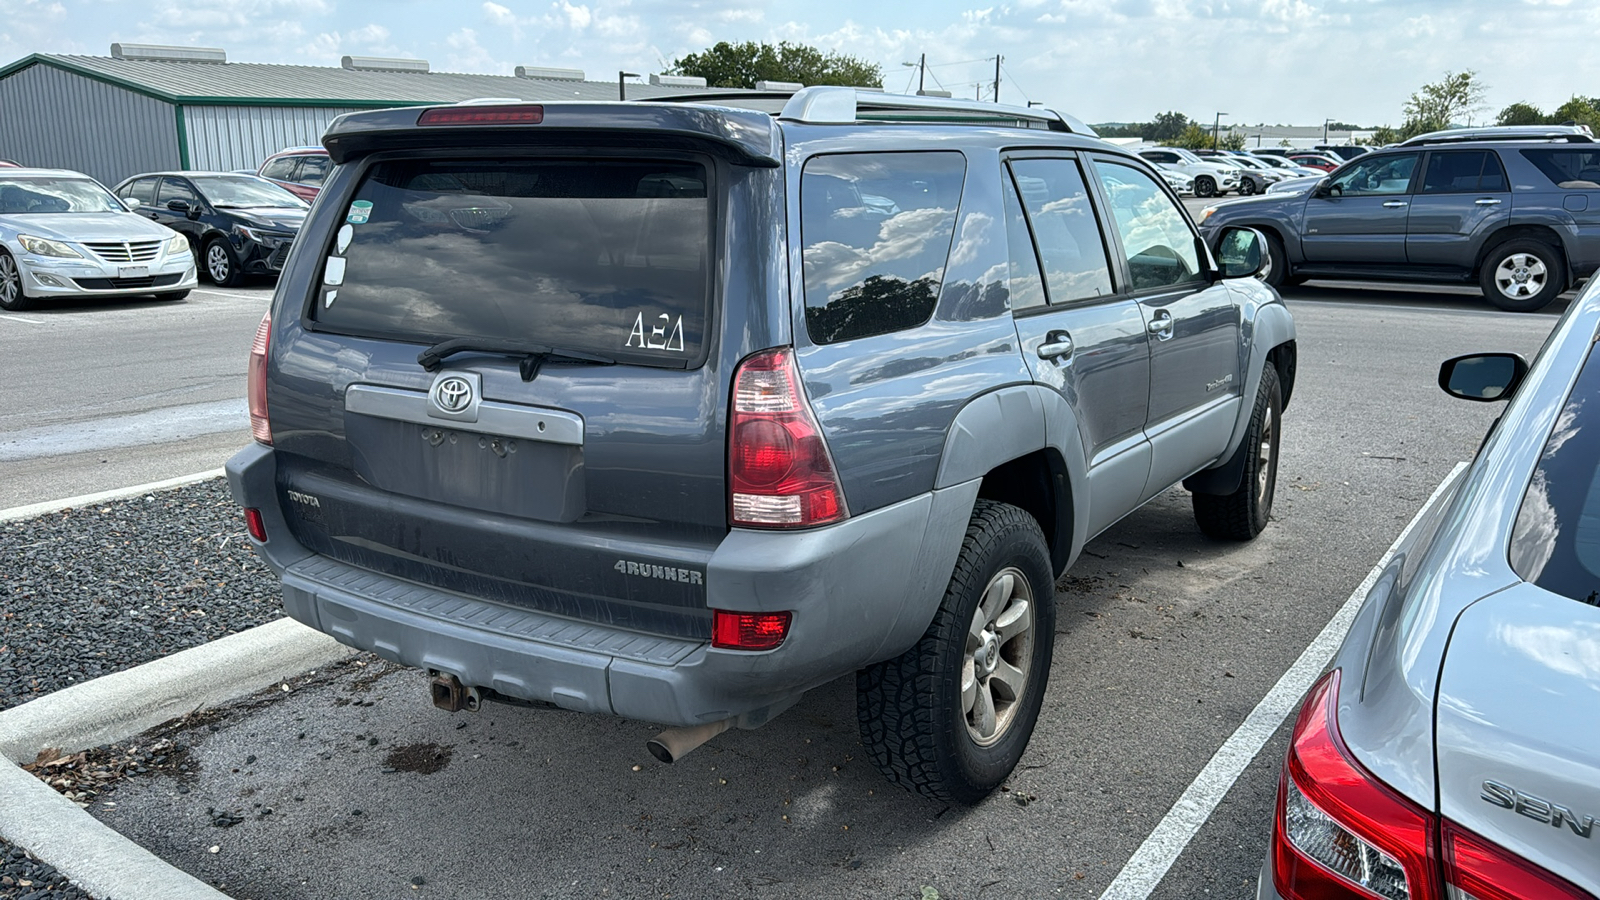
(1520,114)
(742,65)
(1437,106)
(1382,135)
(1193,138)
(1167,127)
(1233,140)
(1580,110)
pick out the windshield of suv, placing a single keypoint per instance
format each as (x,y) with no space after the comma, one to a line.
(244,192)
(1188,157)
(608,256)
(47,194)
(1556,541)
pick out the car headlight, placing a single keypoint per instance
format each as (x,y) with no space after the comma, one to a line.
(249,234)
(44,247)
(177,244)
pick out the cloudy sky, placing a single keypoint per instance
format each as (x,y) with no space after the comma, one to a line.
(1271,61)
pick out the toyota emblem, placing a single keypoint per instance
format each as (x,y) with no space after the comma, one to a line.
(453,394)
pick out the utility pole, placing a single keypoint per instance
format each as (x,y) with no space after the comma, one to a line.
(997,59)
(1325,130)
(622,88)
(1215,125)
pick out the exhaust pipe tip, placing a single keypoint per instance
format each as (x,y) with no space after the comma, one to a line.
(675,743)
(659,750)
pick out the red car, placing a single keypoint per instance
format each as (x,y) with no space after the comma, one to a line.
(8,164)
(300,170)
(1316,161)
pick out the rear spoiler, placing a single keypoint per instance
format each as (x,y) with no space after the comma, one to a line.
(744,137)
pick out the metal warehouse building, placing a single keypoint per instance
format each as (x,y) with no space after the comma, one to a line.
(149,108)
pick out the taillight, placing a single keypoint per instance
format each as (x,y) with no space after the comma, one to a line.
(1475,869)
(748,631)
(1341,833)
(483,115)
(779,472)
(255,524)
(256,382)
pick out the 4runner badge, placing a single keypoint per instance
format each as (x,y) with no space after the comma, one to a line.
(665,573)
(657,337)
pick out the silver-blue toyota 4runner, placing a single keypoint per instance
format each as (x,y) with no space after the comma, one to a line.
(676,410)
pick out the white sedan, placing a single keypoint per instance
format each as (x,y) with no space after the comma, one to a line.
(64,235)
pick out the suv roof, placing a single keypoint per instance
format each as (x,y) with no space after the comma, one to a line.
(825,105)
(1577,134)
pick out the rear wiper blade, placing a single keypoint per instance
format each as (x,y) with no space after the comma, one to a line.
(533,355)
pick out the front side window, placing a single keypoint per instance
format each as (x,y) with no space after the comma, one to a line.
(1462,172)
(52,194)
(1556,541)
(1157,239)
(606,256)
(876,231)
(177,189)
(281,169)
(1064,228)
(1375,176)
(143,190)
(1568,169)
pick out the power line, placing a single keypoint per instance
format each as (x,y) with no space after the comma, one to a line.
(1015,83)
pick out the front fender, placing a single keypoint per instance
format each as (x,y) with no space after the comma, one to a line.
(1265,324)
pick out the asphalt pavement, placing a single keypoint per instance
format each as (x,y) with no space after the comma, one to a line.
(351,785)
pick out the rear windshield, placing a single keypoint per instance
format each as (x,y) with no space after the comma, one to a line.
(1556,542)
(600,256)
(1570,169)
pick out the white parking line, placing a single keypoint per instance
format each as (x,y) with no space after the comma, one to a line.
(16,513)
(1149,864)
(23,319)
(234,294)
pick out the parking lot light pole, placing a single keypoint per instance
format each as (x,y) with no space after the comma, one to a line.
(1216,124)
(622,87)
(1325,130)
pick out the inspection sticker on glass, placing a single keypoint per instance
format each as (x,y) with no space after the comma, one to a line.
(360,212)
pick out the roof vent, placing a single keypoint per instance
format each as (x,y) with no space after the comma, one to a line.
(381,64)
(932,93)
(779,87)
(685,81)
(548,74)
(169,54)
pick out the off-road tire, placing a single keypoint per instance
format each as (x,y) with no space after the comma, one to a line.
(221,263)
(1205,186)
(1243,514)
(1276,271)
(12,297)
(1550,264)
(910,707)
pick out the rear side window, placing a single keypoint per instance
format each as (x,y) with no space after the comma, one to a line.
(1064,228)
(1569,169)
(313,170)
(1463,171)
(876,229)
(595,255)
(1556,542)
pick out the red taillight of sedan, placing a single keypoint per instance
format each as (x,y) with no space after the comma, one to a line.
(1341,833)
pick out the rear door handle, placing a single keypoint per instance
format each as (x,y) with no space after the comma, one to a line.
(1057,345)
(1394,204)
(1488,201)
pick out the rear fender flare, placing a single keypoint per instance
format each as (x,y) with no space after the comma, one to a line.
(1263,327)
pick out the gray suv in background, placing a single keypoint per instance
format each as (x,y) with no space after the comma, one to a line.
(675,410)
(1515,210)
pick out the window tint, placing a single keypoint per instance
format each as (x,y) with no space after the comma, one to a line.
(876,231)
(177,189)
(143,190)
(1556,541)
(281,169)
(313,170)
(1064,228)
(1463,171)
(1388,173)
(1157,239)
(1027,287)
(1570,169)
(602,256)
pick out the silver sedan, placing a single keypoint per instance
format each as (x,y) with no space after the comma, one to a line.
(64,235)
(1453,749)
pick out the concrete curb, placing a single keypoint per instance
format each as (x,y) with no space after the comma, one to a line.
(116,707)
(49,506)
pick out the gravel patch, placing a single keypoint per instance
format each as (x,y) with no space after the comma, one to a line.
(24,878)
(86,592)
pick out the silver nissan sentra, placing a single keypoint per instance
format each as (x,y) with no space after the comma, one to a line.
(1453,748)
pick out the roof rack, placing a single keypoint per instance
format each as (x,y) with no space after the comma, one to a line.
(1576,134)
(825,105)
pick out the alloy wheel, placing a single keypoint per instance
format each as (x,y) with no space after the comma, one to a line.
(217,263)
(10,281)
(999,653)
(1521,275)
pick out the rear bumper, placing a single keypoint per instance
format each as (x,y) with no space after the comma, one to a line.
(861,591)
(1264,887)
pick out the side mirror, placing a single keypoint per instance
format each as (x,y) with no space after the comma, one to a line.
(130,204)
(181,206)
(1483,377)
(1240,252)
